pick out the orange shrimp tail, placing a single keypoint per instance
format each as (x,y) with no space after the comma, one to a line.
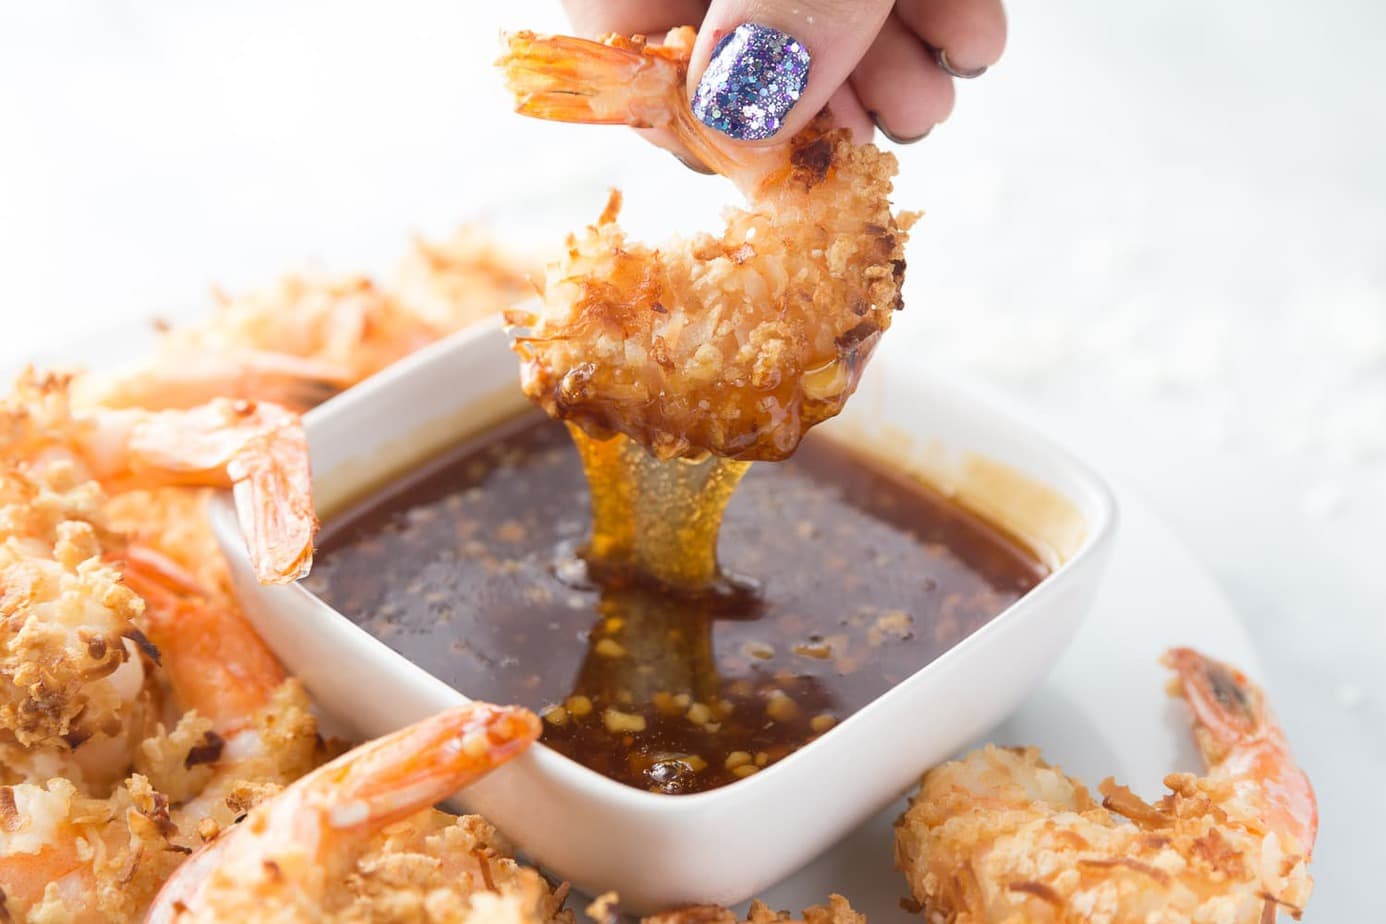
(1239,737)
(425,763)
(616,81)
(567,79)
(259,450)
(274,503)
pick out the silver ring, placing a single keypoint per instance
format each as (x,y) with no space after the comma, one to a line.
(941,57)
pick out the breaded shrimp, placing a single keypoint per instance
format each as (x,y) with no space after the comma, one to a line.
(255,448)
(65,857)
(733,345)
(462,278)
(294,857)
(1001,836)
(245,729)
(837,911)
(72,674)
(296,343)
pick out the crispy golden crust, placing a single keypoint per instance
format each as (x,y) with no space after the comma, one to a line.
(110,857)
(173,522)
(837,911)
(1001,836)
(65,617)
(734,345)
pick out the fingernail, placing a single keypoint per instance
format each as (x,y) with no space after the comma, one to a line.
(755,77)
(898,139)
(695,166)
(941,57)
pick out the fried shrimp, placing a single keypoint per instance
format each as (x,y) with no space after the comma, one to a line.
(297,343)
(1002,836)
(255,448)
(72,858)
(72,673)
(733,345)
(837,911)
(245,729)
(299,855)
(461,279)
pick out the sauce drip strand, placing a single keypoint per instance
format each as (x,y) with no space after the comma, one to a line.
(498,570)
(657,518)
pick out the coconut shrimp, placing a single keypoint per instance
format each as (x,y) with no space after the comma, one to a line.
(461,279)
(1002,836)
(733,345)
(72,858)
(837,911)
(257,449)
(297,343)
(297,855)
(73,663)
(245,729)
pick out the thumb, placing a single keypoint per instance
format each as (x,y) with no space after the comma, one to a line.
(764,68)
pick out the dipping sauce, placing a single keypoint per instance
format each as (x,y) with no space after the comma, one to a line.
(842,580)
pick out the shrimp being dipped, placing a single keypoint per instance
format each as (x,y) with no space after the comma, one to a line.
(255,448)
(733,345)
(1002,836)
(296,856)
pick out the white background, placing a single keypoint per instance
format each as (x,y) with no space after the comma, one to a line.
(1159,224)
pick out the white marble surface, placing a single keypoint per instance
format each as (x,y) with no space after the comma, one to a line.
(1161,225)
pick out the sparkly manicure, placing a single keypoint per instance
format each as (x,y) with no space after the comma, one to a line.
(755,77)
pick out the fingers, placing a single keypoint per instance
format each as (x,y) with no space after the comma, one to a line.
(594,18)
(969,35)
(762,68)
(848,112)
(901,85)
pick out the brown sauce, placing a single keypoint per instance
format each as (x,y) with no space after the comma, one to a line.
(842,580)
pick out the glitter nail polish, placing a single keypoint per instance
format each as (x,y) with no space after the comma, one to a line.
(755,77)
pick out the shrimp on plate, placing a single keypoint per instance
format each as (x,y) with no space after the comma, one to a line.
(241,731)
(245,729)
(257,449)
(357,838)
(733,345)
(461,279)
(297,343)
(605,911)
(1002,836)
(73,664)
(66,857)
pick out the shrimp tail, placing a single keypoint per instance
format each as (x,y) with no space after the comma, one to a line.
(616,81)
(264,452)
(392,777)
(1227,707)
(1240,738)
(364,790)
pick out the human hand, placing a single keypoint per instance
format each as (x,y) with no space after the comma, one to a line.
(885,64)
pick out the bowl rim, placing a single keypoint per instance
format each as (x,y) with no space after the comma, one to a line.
(1099,509)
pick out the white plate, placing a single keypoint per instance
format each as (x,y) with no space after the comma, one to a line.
(1102,711)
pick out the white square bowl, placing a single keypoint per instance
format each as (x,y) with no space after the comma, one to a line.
(661,851)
